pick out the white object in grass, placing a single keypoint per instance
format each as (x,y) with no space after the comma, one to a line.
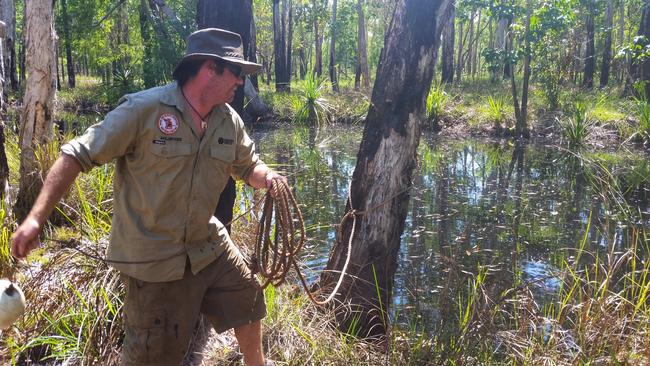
(12,303)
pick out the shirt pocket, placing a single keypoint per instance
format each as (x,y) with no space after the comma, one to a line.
(171,150)
(223,153)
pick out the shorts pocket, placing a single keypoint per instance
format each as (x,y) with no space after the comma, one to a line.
(145,336)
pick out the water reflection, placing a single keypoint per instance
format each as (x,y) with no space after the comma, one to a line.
(515,210)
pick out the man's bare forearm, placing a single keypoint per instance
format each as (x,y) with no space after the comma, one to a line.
(58,180)
(61,175)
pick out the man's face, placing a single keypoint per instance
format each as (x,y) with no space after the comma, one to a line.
(224,85)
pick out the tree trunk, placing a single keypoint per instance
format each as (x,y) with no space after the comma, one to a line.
(67,43)
(252,55)
(4,165)
(332,65)
(470,44)
(459,60)
(448,37)
(318,41)
(289,15)
(607,48)
(362,49)
(500,44)
(385,163)
(477,38)
(508,67)
(3,79)
(619,62)
(8,16)
(280,59)
(38,102)
(235,16)
(521,111)
(590,52)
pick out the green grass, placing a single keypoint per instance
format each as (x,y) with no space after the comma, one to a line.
(577,128)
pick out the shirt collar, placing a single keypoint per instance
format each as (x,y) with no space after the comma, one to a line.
(174,97)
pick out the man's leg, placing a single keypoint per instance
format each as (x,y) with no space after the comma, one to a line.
(249,337)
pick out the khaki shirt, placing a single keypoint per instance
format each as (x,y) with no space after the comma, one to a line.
(167,180)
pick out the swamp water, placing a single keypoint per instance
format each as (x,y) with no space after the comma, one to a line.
(520,213)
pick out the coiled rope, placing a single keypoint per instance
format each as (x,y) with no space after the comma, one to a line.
(274,257)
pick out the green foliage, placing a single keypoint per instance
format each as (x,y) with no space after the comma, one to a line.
(576,128)
(312,107)
(435,103)
(496,110)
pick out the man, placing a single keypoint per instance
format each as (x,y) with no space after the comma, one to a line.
(175,147)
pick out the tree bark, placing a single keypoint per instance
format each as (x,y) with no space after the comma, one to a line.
(235,16)
(318,41)
(37,116)
(385,163)
(279,47)
(8,16)
(362,49)
(521,111)
(500,44)
(67,43)
(3,79)
(459,60)
(607,48)
(4,166)
(590,52)
(332,64)
(289,15)
(448,37)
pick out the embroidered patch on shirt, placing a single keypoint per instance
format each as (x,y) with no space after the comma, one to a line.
(159,142)
(168,123)
(222,141)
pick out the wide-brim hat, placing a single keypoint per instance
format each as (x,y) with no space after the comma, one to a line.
(218,43)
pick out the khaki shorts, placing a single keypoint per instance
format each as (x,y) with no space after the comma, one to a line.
(159,317)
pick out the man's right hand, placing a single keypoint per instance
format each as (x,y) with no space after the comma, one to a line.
(25,238)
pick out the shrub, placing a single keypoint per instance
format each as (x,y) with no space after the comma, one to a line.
(577,128)
(436,101)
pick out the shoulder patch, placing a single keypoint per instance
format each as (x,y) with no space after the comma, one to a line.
(168,123)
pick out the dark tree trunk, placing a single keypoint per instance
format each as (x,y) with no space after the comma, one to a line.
(252,55)
(508,67)
(459,60)
(67,43)
(232,15)
(448,36)
(590,52)
(332,65)
(279,47)
(289,14)
(362,49)
(607,48)
(318,41)
(235,16)
(385,163)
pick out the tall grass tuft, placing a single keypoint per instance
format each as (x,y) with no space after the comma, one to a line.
(496,112)
(576,128)
(436,100)
(312,107)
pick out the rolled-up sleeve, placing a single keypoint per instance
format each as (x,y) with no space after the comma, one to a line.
(246,159)
(107,140)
